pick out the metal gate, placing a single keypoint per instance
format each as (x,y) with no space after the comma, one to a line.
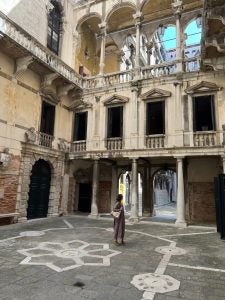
(220,204)
(39,190)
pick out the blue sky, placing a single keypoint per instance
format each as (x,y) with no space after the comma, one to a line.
(192,31)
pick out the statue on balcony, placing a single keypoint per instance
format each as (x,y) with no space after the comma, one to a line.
(30,135)
(62,145)
(223,127)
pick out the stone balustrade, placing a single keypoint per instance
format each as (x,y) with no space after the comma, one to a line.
(158,70)
(155,141)
(191,64)
(205,139)
(79,146)
(114,143)
(44,139)
(38,51)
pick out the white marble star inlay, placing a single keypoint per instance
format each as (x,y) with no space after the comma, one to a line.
(68,255)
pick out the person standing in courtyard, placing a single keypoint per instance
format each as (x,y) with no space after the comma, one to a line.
(119,221)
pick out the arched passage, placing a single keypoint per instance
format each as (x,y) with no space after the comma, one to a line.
(124,188)
(39,188)
(164,193)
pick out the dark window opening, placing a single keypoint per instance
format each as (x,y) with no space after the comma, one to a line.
(203,113)
(80,127)
(155,118)
(115,122)
(54,23)
(47,118)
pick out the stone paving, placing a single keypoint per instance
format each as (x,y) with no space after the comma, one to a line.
(74,258)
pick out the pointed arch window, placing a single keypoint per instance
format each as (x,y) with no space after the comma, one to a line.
(54,25)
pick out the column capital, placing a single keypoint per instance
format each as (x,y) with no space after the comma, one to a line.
(179,157)
(138,18)
(103,28)
(177,7)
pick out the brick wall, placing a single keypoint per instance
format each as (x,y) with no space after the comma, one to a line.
(104,201)
(9,180)
(201,202)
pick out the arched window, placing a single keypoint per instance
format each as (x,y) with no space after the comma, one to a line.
(54,23)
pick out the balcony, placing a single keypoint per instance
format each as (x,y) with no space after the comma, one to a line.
(44,139)
(148,72)
(40,53)
(79,146)
(155,141)
(205,139)
(114,143)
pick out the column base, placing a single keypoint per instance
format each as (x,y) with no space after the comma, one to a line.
(22,220)
(133,220)
(181,224)
(93,216)
(146,214)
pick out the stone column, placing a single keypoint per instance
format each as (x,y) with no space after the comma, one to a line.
(180,222)
(149,47)
(137,18)
(134,192)
(178,109)
(177,6)
(146,192)
(223,159)
(95,187)
(133,126)
(102,27)
(65,193)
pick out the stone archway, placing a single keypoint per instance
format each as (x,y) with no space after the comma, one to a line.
(28,160)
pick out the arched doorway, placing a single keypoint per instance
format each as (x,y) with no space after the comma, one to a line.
(124,188)
(164,194)
(39,190)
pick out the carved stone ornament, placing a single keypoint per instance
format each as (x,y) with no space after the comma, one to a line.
(5,158)
(155,94)
(116,99)
(30,135)
(203,87)
(62,145)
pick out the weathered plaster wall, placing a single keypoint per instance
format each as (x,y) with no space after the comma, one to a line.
(201,197)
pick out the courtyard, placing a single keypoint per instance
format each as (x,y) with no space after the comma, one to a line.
(74,257)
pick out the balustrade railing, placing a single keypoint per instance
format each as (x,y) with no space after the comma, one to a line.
(114,143)
(29,43)
(192,64)
(205,139)
(158,70)
(44,139)
(155,141)
(79,146)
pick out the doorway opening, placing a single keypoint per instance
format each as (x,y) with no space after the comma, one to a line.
(84,199)
(124,188)
(39,190)
(164,194)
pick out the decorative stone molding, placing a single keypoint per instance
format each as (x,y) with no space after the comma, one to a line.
(155,94)
(203,87)
(23,63)
(5,158)
(80,105)
(116,99)
(223,128)
(64,90)
(62,145)
(48,79)
(30,135)
(177,7)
